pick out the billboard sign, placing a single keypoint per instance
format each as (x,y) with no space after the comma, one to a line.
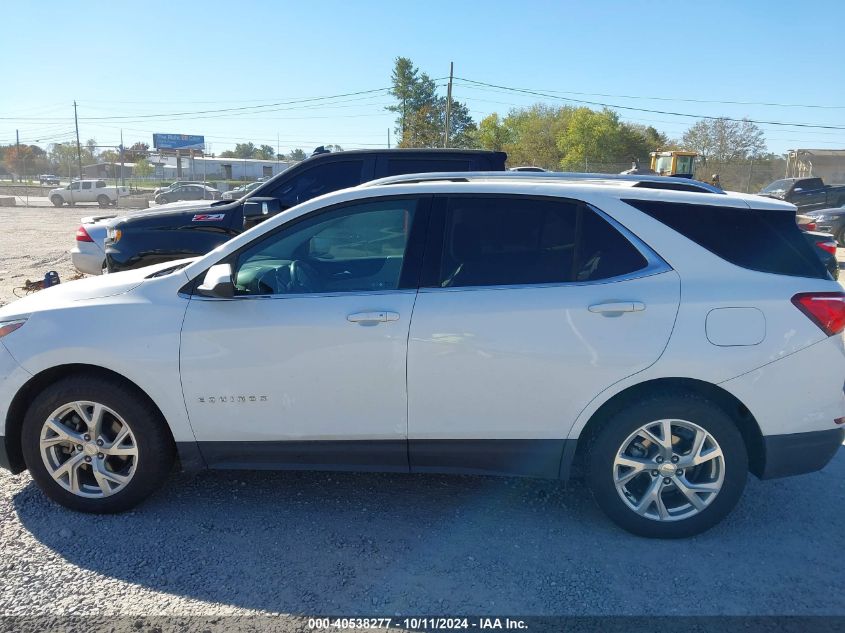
(178,141)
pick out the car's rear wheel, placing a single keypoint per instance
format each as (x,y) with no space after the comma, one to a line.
(57,201)
(163,200)
(103,201)
(93,444)
(670,466)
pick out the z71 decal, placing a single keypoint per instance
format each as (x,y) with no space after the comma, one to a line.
(208,217)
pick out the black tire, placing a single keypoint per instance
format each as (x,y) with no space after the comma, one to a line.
(677,405)
(57,201)
(103,201)
(156,453)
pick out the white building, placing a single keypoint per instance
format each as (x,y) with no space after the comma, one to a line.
(207,168)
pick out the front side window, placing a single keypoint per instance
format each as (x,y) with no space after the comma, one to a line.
(74,186)
(101,184)
(356,248)
(317,180)
(514,240)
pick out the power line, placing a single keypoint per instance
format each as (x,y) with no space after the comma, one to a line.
(687,100)
(538,93)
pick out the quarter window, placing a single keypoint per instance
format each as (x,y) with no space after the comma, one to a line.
(513,240)
(358,248)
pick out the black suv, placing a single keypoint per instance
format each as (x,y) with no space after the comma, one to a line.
(159,236)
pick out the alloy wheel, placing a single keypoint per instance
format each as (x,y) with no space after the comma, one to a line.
(668,470)
(88,449)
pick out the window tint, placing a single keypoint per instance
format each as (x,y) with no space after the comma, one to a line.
(315,181)
(352,249)
(512,240)
(397,166)
(101,184)
(86,184)
(763,240)
(74,186)
(810,183)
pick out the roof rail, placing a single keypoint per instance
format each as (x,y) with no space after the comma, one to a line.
(643,181)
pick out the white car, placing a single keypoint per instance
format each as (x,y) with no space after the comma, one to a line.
(511,325)
(88,254)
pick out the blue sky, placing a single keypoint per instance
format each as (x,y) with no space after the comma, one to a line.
(136,59)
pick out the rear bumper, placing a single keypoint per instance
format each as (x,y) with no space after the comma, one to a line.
(799,453)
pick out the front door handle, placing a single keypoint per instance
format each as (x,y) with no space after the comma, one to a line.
(617,307)
(377,316)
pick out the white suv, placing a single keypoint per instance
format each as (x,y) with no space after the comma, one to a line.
(660,342)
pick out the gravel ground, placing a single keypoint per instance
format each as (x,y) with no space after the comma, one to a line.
(312,543)
(315,543)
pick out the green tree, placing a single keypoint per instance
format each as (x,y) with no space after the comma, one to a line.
(143,168)
(265,152)
(245,150)
(63,156)
(296,155)
(421,112)
(724,141)
(493,134)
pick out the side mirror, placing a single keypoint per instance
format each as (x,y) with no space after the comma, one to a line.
(258,209)
(797,190)
(218,282)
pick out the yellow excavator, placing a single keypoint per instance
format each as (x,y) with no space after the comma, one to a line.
(678,163)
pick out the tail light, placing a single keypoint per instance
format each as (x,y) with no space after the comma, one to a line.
(828,247)
(825,309)
(810,226)
(82,235)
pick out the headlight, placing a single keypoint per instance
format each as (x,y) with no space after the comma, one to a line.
(113,235)
(7,327)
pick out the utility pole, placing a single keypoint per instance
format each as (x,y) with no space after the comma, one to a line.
(18,148)
(78,146)
(122,176)
(449,103)
(388,138)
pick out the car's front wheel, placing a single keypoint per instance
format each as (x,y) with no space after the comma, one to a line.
(57,201)
(670,466)
(95,445)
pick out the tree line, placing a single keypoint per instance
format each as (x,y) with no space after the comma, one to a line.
(554,137)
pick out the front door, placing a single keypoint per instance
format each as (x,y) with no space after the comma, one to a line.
(305,366)
(531,307)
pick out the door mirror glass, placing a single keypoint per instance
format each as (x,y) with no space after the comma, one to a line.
(259,209)
(218,282)
(798,189)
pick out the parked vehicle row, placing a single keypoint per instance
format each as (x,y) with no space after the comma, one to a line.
(176,193)
(516,324)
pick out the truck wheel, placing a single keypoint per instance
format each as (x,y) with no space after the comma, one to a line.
(94,445)
(57,201)
(669,466)
(103,201)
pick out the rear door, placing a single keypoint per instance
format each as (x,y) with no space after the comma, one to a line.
(87,193)
(530,308)
(809,193)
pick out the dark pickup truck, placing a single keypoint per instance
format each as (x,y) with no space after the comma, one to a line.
(806,193)
(159,236)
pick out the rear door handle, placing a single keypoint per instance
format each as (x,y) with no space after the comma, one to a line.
(378,316)
(617,307)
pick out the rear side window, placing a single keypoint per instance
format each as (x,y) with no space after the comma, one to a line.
(398,166)
(762,240)
(810,183)
(491,241)
(86,184)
